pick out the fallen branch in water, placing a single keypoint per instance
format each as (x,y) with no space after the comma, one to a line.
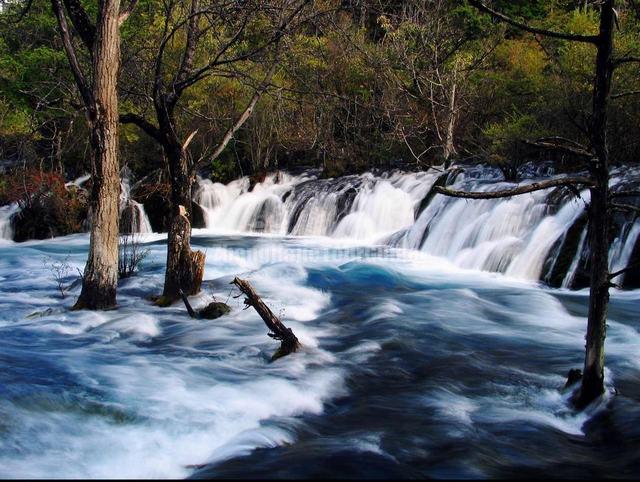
(289,341)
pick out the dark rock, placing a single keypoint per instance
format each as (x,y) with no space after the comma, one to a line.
(565,253)
(50,215)
(158,209)
(631,279)
(573,377)
(214,310)
(197,216)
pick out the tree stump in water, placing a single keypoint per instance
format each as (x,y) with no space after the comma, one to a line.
(288,341)
(185,268)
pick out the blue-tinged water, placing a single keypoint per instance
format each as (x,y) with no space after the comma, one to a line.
(411,367)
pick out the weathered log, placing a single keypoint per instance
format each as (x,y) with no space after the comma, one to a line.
(288,341)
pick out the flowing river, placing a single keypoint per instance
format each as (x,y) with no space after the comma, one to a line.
(430,347)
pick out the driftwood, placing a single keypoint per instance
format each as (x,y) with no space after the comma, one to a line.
(288,341)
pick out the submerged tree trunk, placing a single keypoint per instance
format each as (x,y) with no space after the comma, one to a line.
(101,272)
(593,374)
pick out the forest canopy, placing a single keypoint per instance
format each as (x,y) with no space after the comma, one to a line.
(359,84)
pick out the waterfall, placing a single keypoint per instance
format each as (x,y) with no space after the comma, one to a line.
(133,218)
(523,236)
(6,213)
(571,272)
(360,207)
(379,207)
(537,236)
(622,247)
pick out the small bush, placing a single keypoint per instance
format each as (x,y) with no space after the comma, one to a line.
(60,270)
(130,255)
(48,208)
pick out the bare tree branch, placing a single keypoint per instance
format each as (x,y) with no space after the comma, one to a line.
(623,271)
(625,194)
(245,114)
(190,46)
(625,60)
(625,94)
(626,207)
(204,71)
(527,188)
(561,144)
(70,50)
(593,39)
(151,130)
(125,12)
(80,20)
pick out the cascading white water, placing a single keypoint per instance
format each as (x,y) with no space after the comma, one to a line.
(378,208)
(509,235)
(515,236)
(6,212)
(359,207)
(137,219)
(571,272)
(622,248)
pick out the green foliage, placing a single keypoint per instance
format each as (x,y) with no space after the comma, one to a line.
(506,137)
(351,92)
(224,169)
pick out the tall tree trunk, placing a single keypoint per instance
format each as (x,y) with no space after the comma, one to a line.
(101,272)
(185,267)
(449,146)
(593,373)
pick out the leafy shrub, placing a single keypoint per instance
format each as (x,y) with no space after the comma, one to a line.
(47,207)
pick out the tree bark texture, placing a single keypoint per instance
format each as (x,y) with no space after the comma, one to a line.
(593,373)
(185,268)
(101,271)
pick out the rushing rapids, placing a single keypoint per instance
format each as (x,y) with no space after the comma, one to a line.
(410,368)
(538,236)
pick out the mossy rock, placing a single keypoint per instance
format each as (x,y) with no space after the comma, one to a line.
(160,301)
(214,310)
